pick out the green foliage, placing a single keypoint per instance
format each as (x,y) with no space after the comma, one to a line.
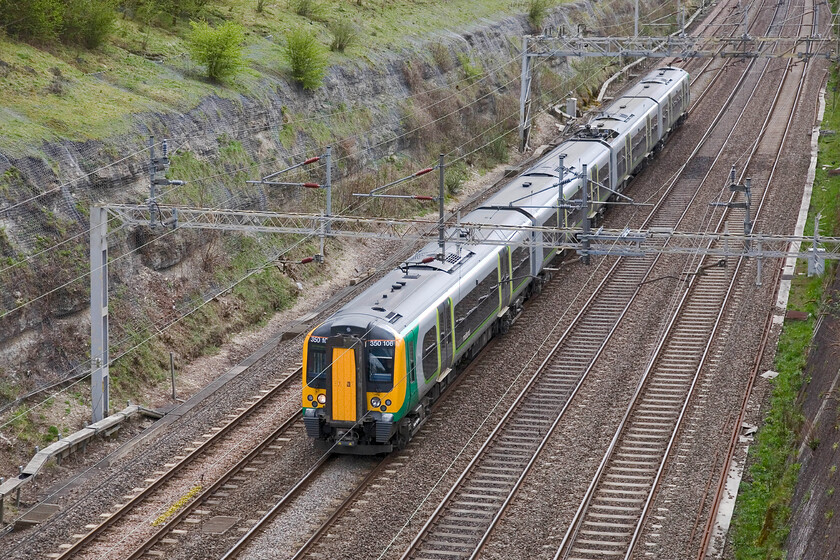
(454,176)
(311,9)
(8,390)
(219,49)
(344,33)
(496,151)
(538,11)
(307,57)
(88,22)
(472,72)
(38,20)
(162,11)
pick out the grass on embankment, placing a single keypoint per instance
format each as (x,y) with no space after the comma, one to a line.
(55,91)
(762,514)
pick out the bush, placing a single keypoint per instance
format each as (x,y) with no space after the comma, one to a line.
(312,9)
(537,12)
(454,177)
(307,57)
(219,49)
(441,56)
(39,20)
(344,34)
(472,72)
(88,22)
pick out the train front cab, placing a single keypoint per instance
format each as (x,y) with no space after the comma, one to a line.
(354,388)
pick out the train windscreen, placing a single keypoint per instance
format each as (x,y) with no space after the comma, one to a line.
(316,363)
(380,364)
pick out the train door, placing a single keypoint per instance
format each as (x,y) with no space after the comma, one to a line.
(505,275)
(346,385)
(594,186)
(537,242)
(446,342)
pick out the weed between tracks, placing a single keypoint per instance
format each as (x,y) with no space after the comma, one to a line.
(173,509)
(763,510)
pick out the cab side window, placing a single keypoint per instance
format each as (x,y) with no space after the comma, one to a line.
(316,366)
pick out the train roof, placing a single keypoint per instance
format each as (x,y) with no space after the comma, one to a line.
(577,151)
(402,295)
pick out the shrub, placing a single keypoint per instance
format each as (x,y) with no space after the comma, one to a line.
(344,34)
(537,12)
(312,9)
(88,22)
(441,56)
(39,20)
(219,49)
(472,72)
(496,151)
(307,57)
(454,176)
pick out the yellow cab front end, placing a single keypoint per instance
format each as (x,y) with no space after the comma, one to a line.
(354,387)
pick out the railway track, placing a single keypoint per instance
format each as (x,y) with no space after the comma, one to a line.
(516,445)
(382,466)
(117,525)
(562,390)
(463,521)
(610,518)
(112,528)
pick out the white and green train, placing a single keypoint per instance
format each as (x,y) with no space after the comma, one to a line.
(372,370)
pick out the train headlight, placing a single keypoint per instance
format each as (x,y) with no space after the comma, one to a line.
(387,402)
(322,398)
(309,398)
(375,402)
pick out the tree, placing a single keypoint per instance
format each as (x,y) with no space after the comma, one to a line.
(219,49)
(307,57)
(88,22)
(39,20)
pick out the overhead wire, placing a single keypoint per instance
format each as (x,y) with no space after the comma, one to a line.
(486,74)
(563,85)
(226,173)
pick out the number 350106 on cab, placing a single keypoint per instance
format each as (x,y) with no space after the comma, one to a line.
(372,370)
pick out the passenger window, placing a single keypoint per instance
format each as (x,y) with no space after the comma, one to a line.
(550,237)
(521,262)
(604,175)
(621,163)
(479,304)
(639,144)
(430,355)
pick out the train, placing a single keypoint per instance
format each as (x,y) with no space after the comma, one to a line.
(372,370)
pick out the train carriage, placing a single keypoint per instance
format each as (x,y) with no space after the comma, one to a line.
(372,370)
